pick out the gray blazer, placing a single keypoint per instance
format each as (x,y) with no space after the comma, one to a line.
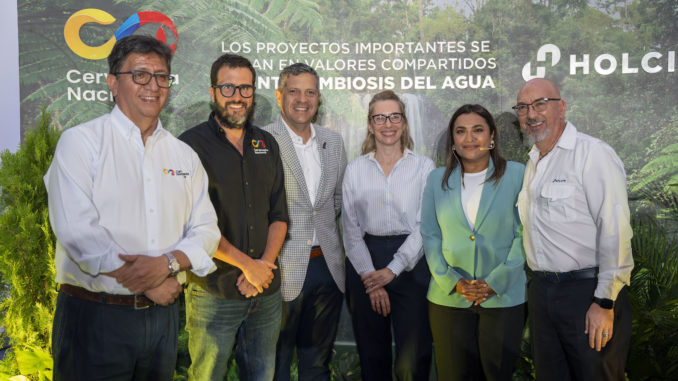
(304,217)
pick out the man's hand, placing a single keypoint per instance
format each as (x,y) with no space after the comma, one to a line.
(381,304)
(141,272)
(599,326)
(259,273)
(166,293)
(245,287)
(377,279)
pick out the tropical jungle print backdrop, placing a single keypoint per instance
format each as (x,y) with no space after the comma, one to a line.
(614,60)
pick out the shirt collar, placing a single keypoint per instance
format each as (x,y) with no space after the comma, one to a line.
(216,127)
(406,153)
(566,141)
(296,139)
(128,128)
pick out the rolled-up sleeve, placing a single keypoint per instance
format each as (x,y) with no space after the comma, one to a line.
(607,200)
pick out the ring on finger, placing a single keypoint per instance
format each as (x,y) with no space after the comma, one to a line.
(605,335)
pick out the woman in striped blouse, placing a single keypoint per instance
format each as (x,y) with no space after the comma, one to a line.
(386,274)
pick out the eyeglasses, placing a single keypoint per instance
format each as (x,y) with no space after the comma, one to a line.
(539,105)
(380,119)
(228,89)
(141,77)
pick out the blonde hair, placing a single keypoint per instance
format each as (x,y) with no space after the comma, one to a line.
(370,144)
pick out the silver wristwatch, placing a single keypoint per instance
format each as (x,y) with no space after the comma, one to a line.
(174,265)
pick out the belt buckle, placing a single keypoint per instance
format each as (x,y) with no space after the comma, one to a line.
(137,307)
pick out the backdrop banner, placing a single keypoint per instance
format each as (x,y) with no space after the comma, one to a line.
(615,62)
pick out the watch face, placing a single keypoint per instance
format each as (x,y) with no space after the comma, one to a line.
(175,266)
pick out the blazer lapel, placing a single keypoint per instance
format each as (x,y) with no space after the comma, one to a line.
(454,197)
(324,160)
(487,197)
(289,156)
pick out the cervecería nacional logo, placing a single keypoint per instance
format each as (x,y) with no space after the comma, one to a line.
(90,15)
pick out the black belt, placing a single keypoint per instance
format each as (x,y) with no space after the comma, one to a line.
(554,277)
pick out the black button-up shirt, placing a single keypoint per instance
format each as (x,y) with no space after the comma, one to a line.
(248,194)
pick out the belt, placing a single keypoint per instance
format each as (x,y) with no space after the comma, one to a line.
(316,252)
(136,301)
(553,277)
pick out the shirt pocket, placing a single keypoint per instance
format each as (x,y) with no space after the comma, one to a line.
(559,202)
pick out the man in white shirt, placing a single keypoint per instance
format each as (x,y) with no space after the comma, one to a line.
(577,238)
(128,204)
(311,260)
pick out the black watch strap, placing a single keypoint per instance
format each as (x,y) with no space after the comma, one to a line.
(607,304)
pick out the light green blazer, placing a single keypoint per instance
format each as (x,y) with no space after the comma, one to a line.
(492,251)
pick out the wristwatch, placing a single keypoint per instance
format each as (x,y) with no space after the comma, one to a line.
(607,304)
(174,265)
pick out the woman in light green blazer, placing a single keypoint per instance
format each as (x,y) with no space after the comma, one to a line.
(473,245)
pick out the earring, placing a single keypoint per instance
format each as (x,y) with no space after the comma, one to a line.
(492,144)
(453,148)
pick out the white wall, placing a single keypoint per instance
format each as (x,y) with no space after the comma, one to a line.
(10,130)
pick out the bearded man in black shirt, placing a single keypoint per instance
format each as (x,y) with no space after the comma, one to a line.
(240,302)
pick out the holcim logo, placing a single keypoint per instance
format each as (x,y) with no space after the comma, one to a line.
(85,16)
(603,64)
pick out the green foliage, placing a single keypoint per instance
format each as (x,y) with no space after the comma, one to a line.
(35,360)
(27,243)
(654,299)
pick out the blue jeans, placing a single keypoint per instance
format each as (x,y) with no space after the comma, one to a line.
(214,325)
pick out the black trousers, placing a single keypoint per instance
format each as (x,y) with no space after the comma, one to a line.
(95,341)
(309,324)
(409,317)
(557,322)
(476,343)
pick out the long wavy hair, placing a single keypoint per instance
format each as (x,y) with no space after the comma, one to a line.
(453,158)
(370,144)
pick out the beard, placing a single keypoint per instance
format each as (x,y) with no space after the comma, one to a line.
(230,120)
(536,137)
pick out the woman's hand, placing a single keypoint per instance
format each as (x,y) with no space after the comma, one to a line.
(474,290)
(377,279)
(381,304)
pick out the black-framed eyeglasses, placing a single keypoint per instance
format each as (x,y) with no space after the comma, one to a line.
(539,105)
(141,77)
(228,89)
(380,119)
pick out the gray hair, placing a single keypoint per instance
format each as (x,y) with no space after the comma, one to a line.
(296,69)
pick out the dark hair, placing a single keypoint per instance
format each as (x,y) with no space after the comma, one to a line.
(232,61)
(452,159)
(137,43)
(296,69)
(370,144)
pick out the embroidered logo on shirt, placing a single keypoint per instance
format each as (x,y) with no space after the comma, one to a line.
(177,172)
(559,181)
(259,146)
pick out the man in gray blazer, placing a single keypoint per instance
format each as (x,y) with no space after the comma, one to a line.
(311,260)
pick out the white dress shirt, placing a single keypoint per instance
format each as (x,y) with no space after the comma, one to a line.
(383,206)
(109,194)
(470,195)
(309,159)
(575,213)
